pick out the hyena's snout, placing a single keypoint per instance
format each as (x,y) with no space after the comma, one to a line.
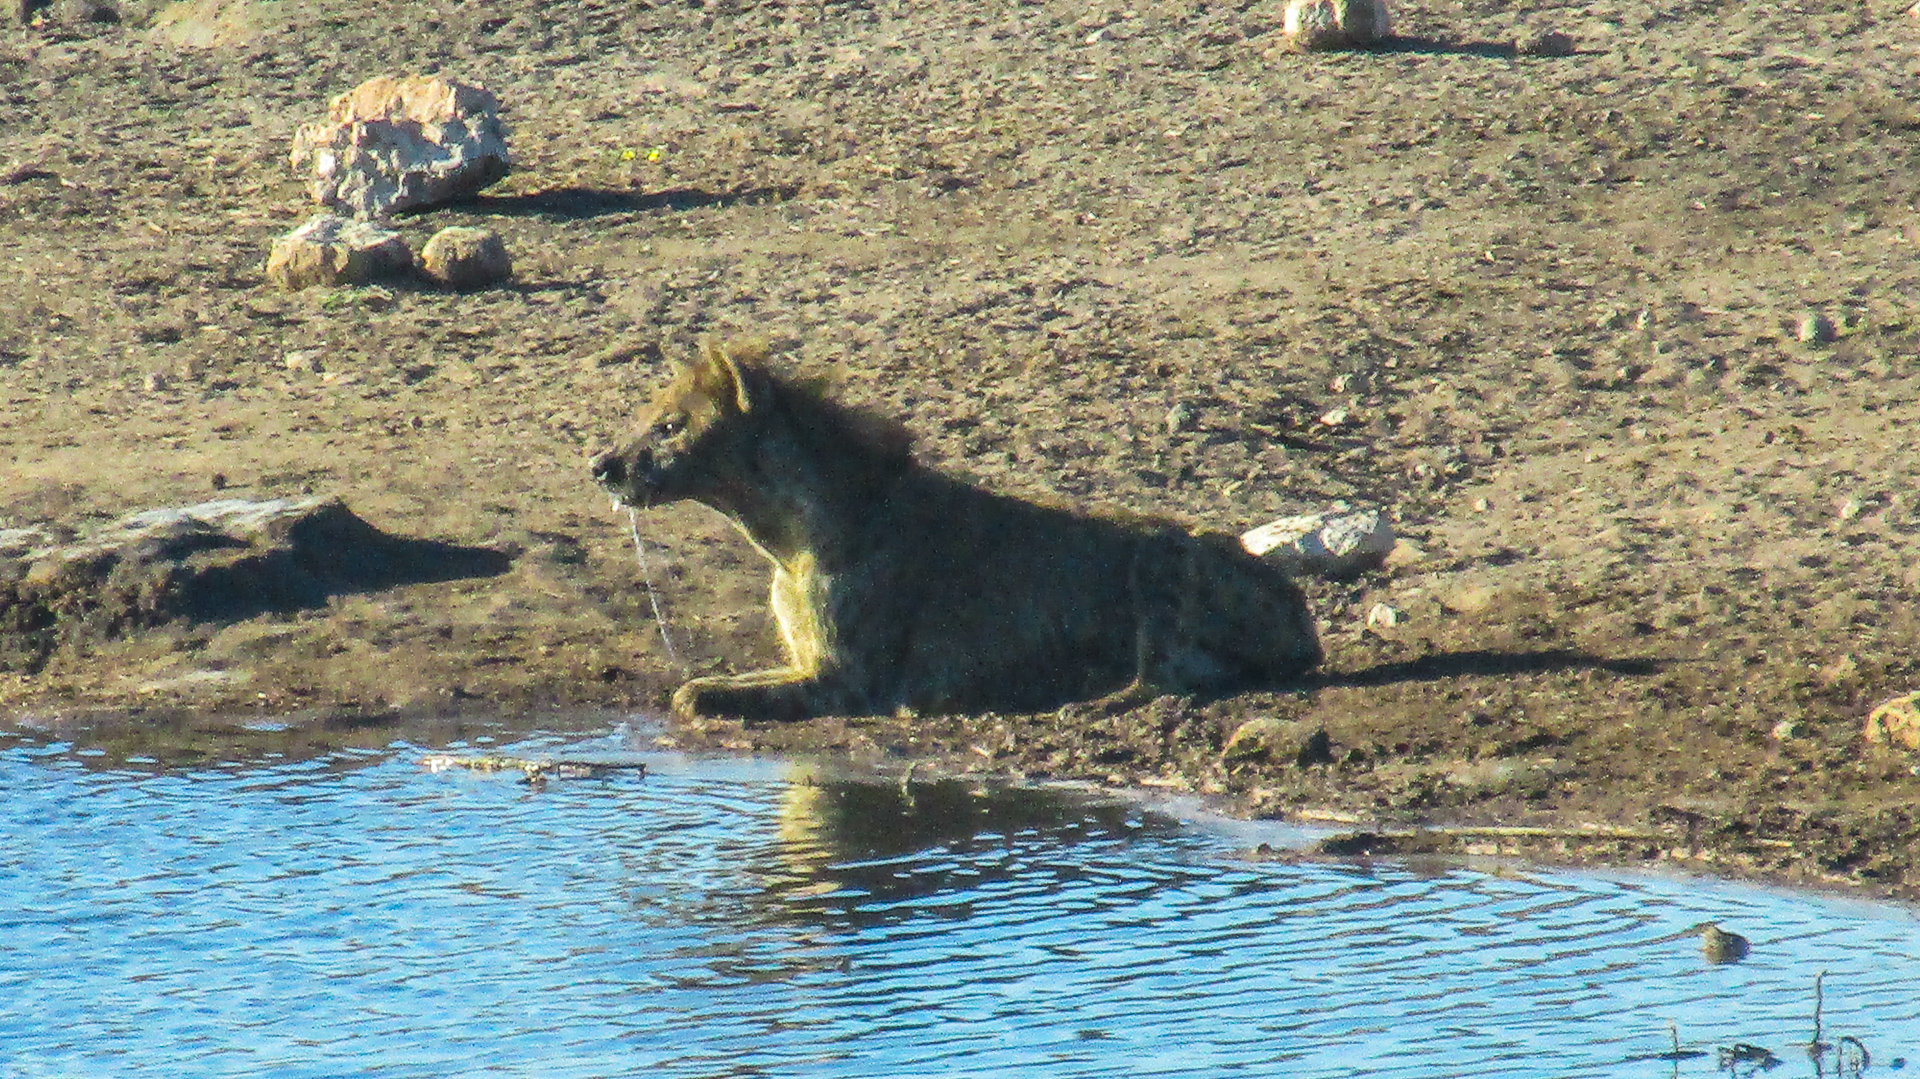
(626,474)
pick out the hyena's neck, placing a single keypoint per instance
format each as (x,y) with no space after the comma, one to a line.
(801,507)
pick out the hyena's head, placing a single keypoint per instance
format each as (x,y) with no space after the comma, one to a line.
(698,437)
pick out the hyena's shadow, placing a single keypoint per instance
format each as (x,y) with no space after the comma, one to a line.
(1486,663)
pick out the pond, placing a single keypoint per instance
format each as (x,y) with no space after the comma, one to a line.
(324,909)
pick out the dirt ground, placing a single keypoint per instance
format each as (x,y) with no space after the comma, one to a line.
(1545,311)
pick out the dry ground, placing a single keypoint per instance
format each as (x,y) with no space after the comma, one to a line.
(1543,310)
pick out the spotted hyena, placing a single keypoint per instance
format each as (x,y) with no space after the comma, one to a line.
(896,587)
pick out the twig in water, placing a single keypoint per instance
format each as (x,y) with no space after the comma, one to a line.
(1817,1049)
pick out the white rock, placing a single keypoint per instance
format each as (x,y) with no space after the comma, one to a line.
(1314,25)
(1343,542)
(399,143)
(1384,615)
(331,250)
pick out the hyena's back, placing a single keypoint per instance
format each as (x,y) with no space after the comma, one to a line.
(969,599)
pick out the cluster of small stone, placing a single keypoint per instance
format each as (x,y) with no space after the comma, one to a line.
(1327,25)
(387,146)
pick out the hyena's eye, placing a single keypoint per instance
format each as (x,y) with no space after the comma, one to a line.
(670,426)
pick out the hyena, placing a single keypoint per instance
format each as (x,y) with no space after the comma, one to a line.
(898,588)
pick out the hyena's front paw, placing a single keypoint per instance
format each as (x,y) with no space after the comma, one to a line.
(773,695)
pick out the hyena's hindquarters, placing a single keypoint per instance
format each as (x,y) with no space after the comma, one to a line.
(1226,621)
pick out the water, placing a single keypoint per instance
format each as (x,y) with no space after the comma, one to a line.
(333,911)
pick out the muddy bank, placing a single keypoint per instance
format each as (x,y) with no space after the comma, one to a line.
(1547,312)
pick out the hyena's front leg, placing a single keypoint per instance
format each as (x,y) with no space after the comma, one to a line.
(781,693)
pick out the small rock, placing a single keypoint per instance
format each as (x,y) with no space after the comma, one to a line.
(155,382)
(462,257)
(1268,738)
(1545,43)
(303,360)
(97,11)
(1896,723)
(1815,328)
(1720,946)
(1405,555)
(1317,25)
(1844,669)
(1384,615)
(330,250)
(1789,729)
(1343,542)
(395,144)
(1179,418)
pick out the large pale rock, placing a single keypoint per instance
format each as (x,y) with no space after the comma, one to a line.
(1342,542)
(1314,25)
(331,250)
(402,143)
(1896,723)
(463,257)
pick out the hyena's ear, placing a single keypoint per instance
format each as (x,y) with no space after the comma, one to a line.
(733,372)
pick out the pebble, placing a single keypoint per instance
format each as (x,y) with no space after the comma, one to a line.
(1815,328)
(1315,25)
(1179,418)
(1545,43)
(1385,615)
(303,360)
(463,257)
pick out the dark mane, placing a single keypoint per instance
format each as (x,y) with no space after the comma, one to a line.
(827,423)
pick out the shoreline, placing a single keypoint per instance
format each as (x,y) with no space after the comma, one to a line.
(1626,344)
(1578,835)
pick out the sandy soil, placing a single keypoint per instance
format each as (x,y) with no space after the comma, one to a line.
(1543,310)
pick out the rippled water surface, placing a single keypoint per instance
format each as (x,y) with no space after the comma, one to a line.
(352,913)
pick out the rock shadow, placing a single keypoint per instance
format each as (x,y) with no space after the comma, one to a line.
(1431,46)
(1485,662)
(580,203)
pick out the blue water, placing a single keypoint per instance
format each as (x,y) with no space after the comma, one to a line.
(352,913)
